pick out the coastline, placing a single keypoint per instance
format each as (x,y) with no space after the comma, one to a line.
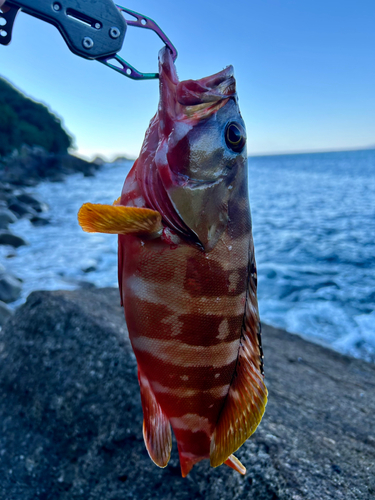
(27,168)
(72,420)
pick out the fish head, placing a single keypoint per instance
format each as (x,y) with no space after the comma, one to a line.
(201,157)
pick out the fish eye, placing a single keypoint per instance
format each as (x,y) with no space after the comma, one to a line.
(235,137)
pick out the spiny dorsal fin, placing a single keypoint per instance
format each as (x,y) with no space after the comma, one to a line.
(247,396)
(157,432)
(118,219)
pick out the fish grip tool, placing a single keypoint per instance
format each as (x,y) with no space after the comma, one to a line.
(91,29)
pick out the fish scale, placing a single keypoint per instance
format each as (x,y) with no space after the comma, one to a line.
(187,273)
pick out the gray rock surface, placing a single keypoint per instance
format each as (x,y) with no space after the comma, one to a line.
(72,420)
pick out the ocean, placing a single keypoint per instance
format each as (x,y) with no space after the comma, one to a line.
(314,232)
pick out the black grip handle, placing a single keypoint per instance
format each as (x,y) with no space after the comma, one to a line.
(92,29)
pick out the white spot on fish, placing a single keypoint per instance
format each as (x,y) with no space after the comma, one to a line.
(183,392)
(217,375)
(234,279)
(175,324)
(186,355)
(230,247)
(230,187)
(191,422)
(184,377)
(223,330)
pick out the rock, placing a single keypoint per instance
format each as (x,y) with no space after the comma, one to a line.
(8,238)
(72,420)
(5,313)
(121,159)
(89,265)
(86,285)
(56,177)
(21,209)
(5,187)
(98,160)
(10,287)
(33,164)
(6,217)
(36,204)
(39,221)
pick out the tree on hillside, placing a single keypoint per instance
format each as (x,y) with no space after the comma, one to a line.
(24,121)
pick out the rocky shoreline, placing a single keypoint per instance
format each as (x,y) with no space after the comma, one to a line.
(24,169)
(72,420)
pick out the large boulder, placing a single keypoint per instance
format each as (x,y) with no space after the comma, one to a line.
(72,420)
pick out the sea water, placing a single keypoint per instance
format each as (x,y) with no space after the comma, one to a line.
(314,232)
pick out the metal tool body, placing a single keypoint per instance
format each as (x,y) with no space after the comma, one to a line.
(92,29)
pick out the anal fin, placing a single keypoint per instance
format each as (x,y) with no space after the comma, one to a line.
(157,432)
(118,219)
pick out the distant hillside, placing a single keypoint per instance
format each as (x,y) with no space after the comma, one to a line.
(24,121)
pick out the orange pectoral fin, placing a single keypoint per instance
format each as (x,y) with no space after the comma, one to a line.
(117,219)
(157,432)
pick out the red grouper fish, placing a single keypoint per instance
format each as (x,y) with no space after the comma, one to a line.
(187,273)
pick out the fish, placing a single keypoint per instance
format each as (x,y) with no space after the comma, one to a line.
(187,273)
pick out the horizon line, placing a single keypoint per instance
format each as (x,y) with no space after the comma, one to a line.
(311,151)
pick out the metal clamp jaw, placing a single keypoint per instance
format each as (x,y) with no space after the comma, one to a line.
(91,29)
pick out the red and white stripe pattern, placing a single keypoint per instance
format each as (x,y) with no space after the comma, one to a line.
(190,295)
(186,315)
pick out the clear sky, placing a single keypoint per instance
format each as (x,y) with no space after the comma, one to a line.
(305,72)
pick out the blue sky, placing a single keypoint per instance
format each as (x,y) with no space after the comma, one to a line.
(305,72)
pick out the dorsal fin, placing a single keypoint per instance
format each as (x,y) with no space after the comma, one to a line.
(247,396)
(157,432)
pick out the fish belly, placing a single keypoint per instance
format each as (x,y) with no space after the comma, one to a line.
(185,311)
